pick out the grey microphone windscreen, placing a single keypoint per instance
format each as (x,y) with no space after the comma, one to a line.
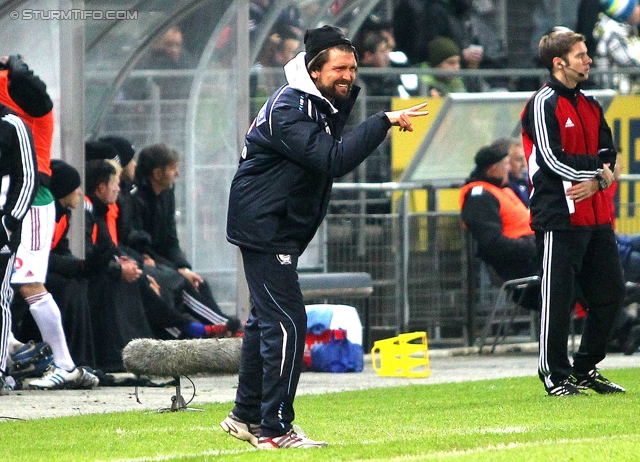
(175,358)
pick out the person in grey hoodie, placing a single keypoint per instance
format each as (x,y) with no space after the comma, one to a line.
(279,196)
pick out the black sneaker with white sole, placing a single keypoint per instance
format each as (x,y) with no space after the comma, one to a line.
(593,380)
(564,388)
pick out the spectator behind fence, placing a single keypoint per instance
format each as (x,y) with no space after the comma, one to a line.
(166,53)
(375,23)
(588,13)
(443,54)
(618,44)
(567,138)
(546,14)
(155,236)
(417,22)
(279,196)
(485,25)
(280,45)
(283,40)
(374,51)
(26,94)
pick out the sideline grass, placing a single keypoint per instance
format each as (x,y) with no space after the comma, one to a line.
(491,420)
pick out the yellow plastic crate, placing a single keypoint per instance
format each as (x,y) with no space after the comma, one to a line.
(406,355)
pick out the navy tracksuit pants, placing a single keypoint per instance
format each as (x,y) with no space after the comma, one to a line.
(273,342)
(585,262)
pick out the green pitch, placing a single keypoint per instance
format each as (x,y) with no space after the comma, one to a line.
(492,420)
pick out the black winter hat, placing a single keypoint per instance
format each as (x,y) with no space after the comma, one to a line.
(123,146)
(96,150)
(489,155)
(318,40)
(64,179)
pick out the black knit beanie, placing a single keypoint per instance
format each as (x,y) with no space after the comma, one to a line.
(95,150)
(122,145)
(318,40)
(64,179)
(489,155)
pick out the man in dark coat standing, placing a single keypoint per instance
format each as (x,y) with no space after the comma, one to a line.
(279,196)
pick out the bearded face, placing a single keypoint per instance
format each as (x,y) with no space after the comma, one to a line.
(335,79)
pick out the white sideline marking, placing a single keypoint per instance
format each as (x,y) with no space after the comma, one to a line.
(421,456)
(183,455)
(499,447)
(505,430)
(126,432)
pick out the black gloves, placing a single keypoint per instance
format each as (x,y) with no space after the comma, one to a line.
(608,156)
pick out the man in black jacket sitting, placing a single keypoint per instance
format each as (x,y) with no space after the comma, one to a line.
(154,235)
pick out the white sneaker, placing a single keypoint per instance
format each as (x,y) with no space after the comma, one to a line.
(244,431)
(289,440)
(56,378)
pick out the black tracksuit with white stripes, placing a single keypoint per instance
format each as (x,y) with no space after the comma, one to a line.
(18,163)
(567,141)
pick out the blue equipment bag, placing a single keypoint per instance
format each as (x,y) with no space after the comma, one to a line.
(338,355)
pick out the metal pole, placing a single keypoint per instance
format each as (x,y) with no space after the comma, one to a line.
(156,110)
(243,67)
(405,261)
(71,108)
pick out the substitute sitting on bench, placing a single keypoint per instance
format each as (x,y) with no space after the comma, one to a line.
(498,221)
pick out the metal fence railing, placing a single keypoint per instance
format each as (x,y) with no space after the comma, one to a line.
(415,253)
(419,262)
(415,256)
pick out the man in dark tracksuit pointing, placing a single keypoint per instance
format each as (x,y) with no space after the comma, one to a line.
(279,196)
(570,153)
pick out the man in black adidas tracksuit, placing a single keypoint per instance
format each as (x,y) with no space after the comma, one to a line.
(278,198)
(18,165)
(571,157)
